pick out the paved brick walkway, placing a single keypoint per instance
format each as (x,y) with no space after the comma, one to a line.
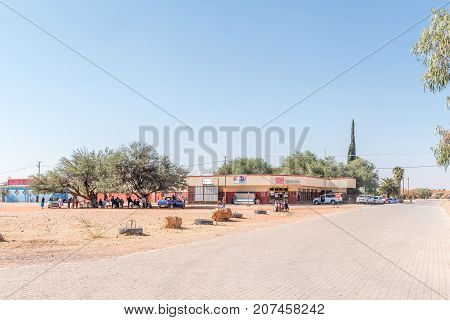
(313,259)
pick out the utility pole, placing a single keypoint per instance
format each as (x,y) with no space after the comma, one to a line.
(225,184)
(409,195)
(39,168)
(403,187)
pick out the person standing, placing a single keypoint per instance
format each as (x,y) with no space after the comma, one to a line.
(42,203)
(69,201)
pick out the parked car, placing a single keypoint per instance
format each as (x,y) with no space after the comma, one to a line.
(53,203)
(391,200)
(329,198)
(370,200)
(362,199)
(378,200)
(170,202)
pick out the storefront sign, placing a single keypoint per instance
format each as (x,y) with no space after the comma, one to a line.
(282,180)
(239,179)
(292,181)
(208,181)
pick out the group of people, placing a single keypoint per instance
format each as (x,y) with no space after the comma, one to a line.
(117,203)
(281,206)
(113,203)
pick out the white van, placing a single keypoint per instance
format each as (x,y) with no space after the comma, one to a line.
(329,198)
(244,198)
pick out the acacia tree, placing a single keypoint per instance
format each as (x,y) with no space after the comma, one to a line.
(433,50)
(82,174)
(139,170)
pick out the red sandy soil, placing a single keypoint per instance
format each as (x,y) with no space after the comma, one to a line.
(45,236)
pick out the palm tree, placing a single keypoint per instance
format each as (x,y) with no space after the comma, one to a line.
(398,173)
(389,187)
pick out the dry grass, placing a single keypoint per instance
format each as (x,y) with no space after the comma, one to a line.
(45,235)
(93,231)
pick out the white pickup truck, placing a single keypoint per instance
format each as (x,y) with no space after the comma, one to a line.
(329,198)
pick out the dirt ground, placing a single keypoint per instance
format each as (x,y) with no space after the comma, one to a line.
(446,205)
(45,236)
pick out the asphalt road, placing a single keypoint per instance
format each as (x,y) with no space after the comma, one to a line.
(399,251)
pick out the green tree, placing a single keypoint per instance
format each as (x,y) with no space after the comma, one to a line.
(442,150)
(352,147)
(389,187)
(83,174)
(302,163)
(433,50)
(139,170)
(245,166)
(421,193)
(365,174)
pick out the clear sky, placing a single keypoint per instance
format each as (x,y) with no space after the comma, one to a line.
(217,63)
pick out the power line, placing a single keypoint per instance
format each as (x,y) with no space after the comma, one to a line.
(15,170)
(410,167)
(91,62)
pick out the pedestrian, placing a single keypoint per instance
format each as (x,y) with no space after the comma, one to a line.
(286,205)
(69,201)
(60,202)
(129,201)
(121,203)
(76,203)
(42,203)
(113,202)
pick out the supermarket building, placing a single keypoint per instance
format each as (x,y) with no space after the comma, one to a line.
(265,188)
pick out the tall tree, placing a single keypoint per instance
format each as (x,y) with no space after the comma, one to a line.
(398,174)
(352,147)
(433,50)
(141,171)
(365,174)
(82,174)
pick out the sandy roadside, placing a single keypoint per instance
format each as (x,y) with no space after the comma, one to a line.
(46,236)
(446,205)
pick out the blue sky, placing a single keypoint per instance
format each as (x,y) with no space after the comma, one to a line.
(217,63)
